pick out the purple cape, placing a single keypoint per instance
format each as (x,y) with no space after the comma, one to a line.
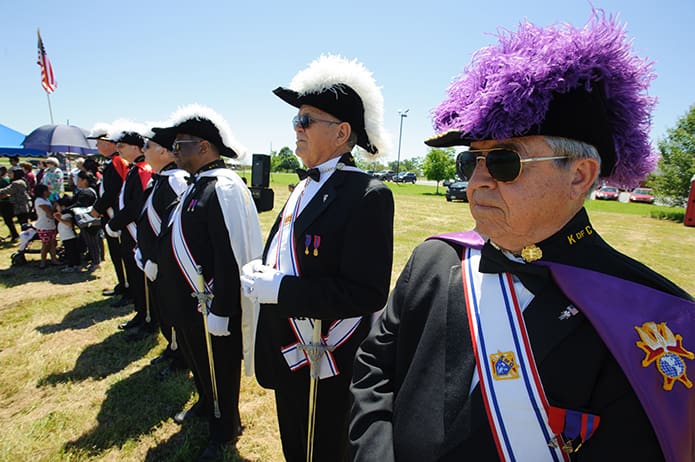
(623,306)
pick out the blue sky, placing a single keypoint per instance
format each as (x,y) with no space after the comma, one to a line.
(142,60)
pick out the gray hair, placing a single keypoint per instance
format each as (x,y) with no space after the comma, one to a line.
(573,150)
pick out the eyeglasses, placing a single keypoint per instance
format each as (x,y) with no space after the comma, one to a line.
(176,147)
(305,121)
(503,164)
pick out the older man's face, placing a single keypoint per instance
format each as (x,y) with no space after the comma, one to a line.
(531,208)
(317,142)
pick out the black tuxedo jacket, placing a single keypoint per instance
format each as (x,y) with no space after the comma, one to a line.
(347,276)
(413,374)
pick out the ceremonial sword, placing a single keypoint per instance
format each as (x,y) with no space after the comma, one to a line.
(203,298)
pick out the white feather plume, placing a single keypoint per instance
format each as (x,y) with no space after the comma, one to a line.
(100,129)
(121,126)
(193,111)
(329,70)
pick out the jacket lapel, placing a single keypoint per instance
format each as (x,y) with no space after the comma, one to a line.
(319,203)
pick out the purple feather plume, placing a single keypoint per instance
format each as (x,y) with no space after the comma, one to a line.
(507,88)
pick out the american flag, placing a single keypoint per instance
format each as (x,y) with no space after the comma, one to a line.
(48,81)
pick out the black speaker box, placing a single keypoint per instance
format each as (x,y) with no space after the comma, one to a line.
(260,171)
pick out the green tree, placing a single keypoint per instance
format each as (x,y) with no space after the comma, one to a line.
(439,165)
(677,163)
(284,161)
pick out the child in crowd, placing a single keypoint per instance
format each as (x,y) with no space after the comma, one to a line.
(45,224)
(68,236)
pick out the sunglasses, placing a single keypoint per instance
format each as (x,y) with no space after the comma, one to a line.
(176,147)
(305,121)
(503,164)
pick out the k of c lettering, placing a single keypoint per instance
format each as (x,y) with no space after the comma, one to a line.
(573,238)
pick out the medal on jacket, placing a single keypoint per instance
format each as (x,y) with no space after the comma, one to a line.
(307,243)
(317,243)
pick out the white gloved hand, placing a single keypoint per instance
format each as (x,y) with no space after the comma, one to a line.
(151,269)
(252,267)
(263,284)
(218,325)
(111,232)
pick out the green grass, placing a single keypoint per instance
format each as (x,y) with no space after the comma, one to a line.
(73,389)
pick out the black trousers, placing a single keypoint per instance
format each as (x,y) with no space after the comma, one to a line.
(332,415)
(164,318)
(227,358)
(115,253)
(7,212)
(133,274)
(72,251)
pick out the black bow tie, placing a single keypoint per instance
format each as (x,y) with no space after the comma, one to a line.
(533,277)
(312,173)
(190,179)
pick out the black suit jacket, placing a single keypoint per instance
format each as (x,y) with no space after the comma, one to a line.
(350,275)
(412,375)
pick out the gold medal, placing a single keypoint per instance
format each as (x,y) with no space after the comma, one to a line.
(531,253)
(316,252)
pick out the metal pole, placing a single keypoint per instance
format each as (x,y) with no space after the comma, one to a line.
(400,134)
(50,110)
(148,318)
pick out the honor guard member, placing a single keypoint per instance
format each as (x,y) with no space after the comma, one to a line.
(213,231)
(167,185)
(122,225)
(106,205)
(531,338)
(328,257)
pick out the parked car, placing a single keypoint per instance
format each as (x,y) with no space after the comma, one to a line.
(384,175)
(457,191)
(642,195)
(607,193)
(405,177)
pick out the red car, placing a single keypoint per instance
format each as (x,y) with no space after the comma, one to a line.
(642,195)
(607,193)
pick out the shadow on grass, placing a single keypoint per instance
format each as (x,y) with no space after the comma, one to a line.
(440,194)
(86,316)
(187,444)
(135,406)
(97,361)
(30,272)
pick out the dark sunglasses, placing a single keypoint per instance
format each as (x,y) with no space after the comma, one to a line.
(176,147)
(305,121)
(503,164)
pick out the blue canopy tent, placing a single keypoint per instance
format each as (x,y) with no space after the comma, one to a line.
(11,144)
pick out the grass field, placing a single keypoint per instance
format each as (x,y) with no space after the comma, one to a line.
(73,389)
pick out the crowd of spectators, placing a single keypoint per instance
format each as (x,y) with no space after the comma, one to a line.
(33,200)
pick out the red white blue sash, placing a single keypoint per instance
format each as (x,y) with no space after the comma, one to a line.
(183,255)
(286,261)
(515,402)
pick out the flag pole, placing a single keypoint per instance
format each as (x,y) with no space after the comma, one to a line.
(50,110)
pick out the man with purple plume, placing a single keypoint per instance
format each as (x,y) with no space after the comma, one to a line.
(530,338)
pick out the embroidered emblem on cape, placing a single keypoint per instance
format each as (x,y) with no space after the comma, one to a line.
(662,346)
(504,366)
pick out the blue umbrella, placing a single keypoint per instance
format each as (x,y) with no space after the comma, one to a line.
(59,138)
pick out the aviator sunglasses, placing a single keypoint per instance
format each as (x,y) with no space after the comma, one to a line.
(503,164)
(305,120)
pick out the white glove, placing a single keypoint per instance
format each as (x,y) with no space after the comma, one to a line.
(252,267)
(111,232)
(218,325)
(263,284)
(151,269)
